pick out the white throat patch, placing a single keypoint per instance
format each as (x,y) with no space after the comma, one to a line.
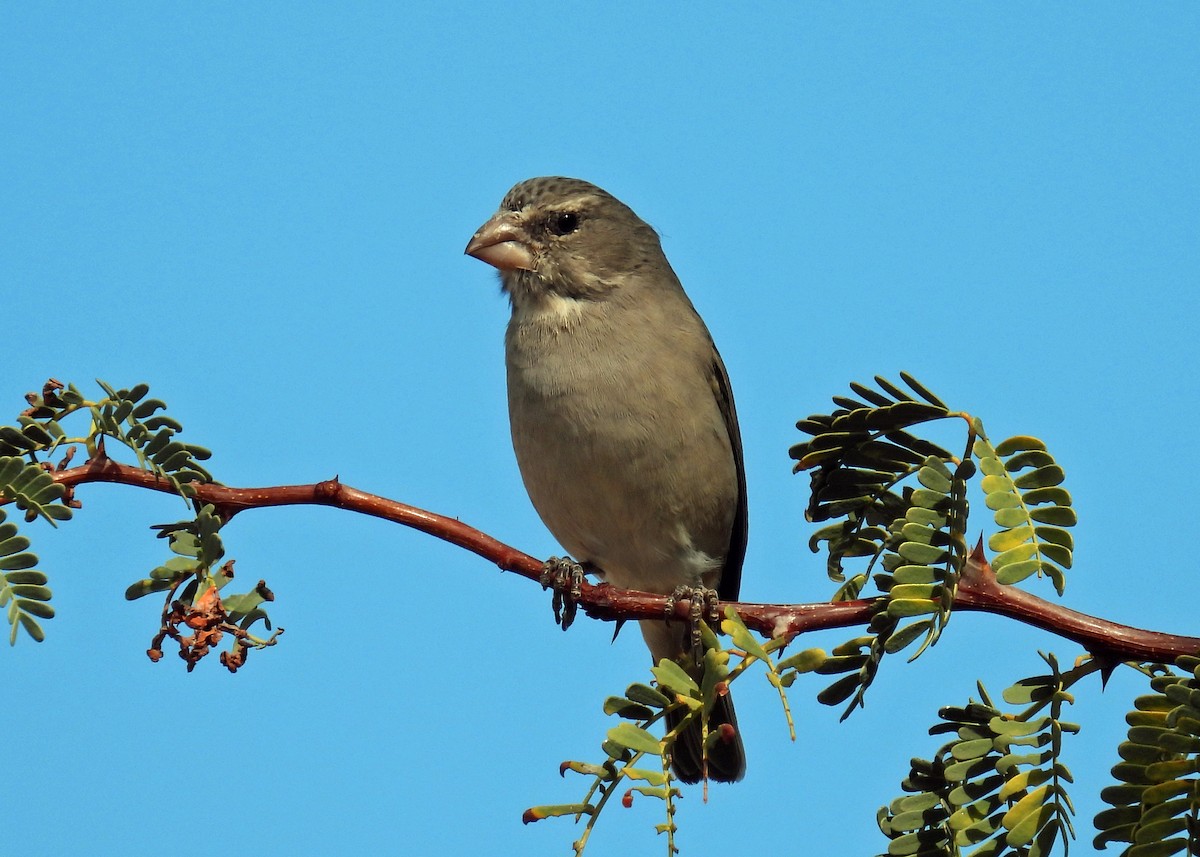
(550,310)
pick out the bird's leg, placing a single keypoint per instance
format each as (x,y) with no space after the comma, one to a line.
(565,577)
(703,606)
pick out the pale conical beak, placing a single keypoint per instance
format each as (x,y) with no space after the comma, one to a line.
(501,242)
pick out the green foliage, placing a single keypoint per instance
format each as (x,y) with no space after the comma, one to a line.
(637,760)
(197,544)
(195,585)
(627,746)
(133,420)
(898,502)
(23,589)
(32,489)
(998,787)
(1029,507)
(28,484)
(123,417)
(1156,806)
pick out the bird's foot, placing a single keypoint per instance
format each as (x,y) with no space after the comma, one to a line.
(703,603)
(565,577)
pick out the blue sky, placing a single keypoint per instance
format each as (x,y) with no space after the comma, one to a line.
(260,209)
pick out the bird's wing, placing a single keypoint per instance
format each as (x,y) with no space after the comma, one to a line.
(731,574)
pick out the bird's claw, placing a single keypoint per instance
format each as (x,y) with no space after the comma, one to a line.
(565,577)
(703,603)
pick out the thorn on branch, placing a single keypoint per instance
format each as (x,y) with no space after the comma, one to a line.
(327,490)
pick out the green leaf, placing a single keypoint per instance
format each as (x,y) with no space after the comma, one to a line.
(918,533)
(37,608)
(174,567)
(1055,496)
(242,603)
(934,479)
(635,738)
(908,844)
(1017,554)
(1002,500)
(146,586)
(907,607)
(163,421)
(644,694)
(1010,762)
(996,484)
(1031,458)
(10,466)
(839,691)
(18,561)
(1044,477)
(1027,816)
(1028,690)
(672,676)
(928,499)
(1172,769)
(1018,443)
(1013,516)
(742,638)
(1153,831)
(1062,516)
(56,513)
(805,661)
(1026,779)
(1055,535)
(1008,539)
(1012,727)
(655,778)
(908,574)
(974,749)
(916,591)
(31,626)
(626,708)
(1057,553)
(1158,849)
(38,593)
(902,638)
(922,391)
(157,442)
(979,831)
(916,552)
(1015,572)
(36,578)
(537,813)
(148,407)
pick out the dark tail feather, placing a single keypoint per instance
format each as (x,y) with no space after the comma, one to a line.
(726,759)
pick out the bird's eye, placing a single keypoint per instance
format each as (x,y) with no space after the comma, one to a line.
(564,222)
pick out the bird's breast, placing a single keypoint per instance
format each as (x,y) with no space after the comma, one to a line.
(622,447)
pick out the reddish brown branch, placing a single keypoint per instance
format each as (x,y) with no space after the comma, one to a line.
(977,590)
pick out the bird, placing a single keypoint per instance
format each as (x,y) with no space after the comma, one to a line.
(622,416)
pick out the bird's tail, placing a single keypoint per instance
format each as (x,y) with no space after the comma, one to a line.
(727,754)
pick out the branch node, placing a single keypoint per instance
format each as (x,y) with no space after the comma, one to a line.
(327,490)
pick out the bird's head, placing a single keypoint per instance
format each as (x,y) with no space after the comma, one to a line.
(563,237)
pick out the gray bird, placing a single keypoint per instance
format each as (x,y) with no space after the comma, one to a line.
(622,415)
